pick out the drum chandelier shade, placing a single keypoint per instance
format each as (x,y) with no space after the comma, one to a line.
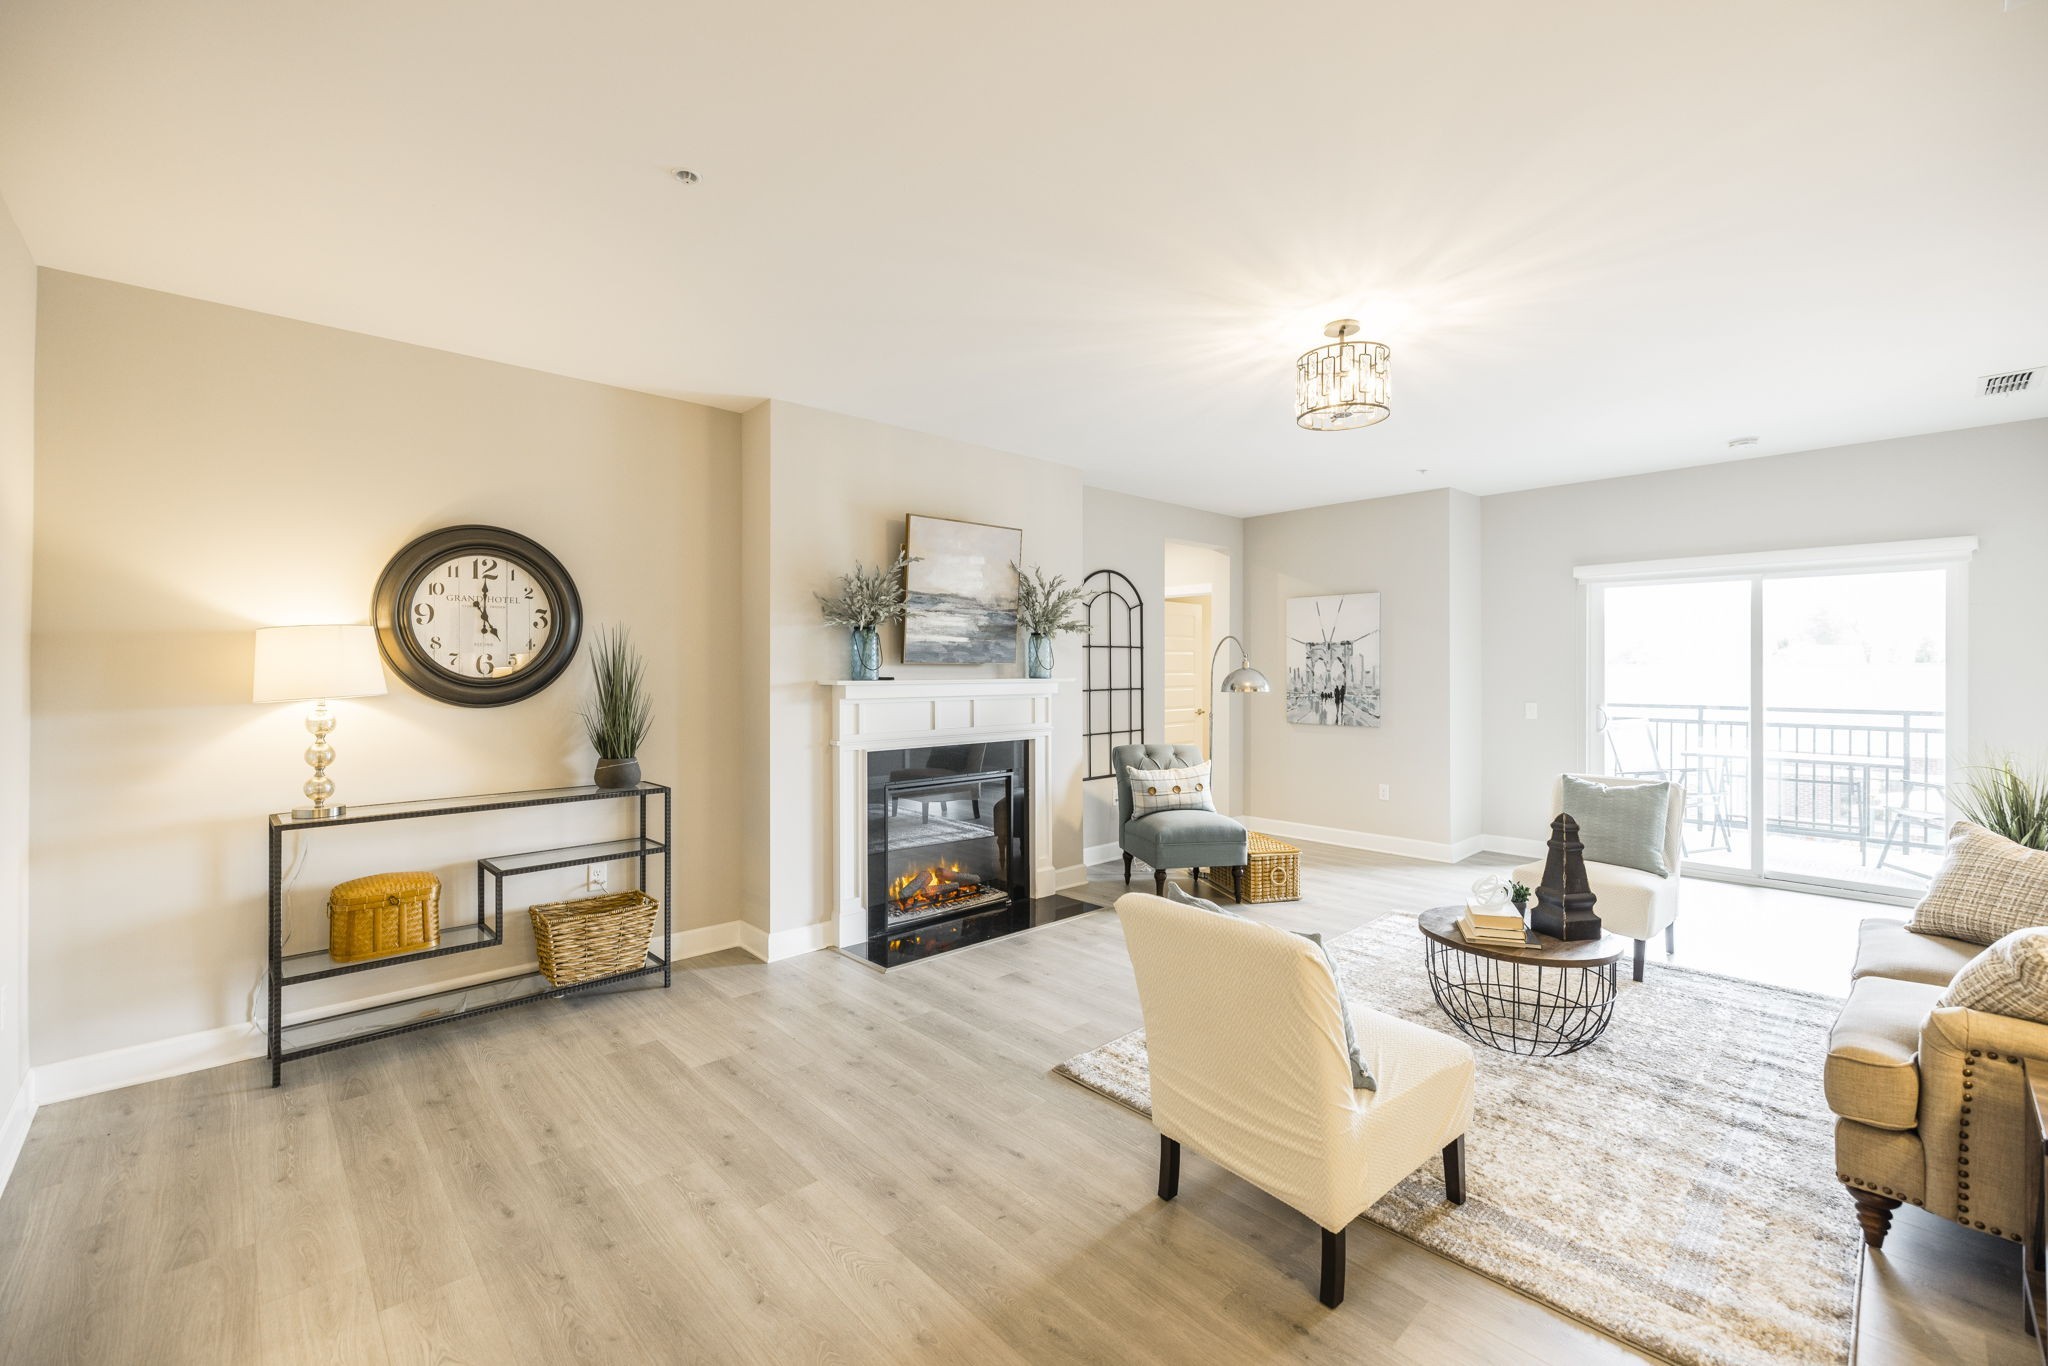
(1342,385)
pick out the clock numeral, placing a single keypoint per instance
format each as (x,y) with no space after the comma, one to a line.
(451,656)
(483,569)
(423,614)
(486,666)
(540,618)
(434,643)
(529,594)
(435,588)
(454,569)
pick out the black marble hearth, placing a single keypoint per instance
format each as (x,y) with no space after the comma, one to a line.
(931,938)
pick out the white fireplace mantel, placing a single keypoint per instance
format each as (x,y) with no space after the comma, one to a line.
(903,713)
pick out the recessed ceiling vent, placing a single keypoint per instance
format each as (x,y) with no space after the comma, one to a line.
(2012,383)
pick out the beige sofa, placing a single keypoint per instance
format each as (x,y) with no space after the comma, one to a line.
(1929,1102)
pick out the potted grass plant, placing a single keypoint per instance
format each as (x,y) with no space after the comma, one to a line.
(1045,608)
(2006,801)
(867,598)
(621,712)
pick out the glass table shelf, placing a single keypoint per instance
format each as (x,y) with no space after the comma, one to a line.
(454,939)
(540,860)
(455,806)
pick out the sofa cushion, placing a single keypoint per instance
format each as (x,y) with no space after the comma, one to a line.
(1168,828)
(1886,948)
(1872,1072)
(1623,824)
(1987,887)
(2009,978)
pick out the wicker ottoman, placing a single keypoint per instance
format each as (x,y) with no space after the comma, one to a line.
(1273,872)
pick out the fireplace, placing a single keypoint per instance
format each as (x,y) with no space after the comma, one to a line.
(948,835)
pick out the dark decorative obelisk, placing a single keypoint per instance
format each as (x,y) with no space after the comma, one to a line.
(1564,903)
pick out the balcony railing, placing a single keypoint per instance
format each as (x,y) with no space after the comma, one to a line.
(1831,773)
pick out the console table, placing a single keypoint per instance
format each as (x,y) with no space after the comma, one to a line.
(305,1038)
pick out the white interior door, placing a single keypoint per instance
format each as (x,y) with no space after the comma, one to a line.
(1187,653)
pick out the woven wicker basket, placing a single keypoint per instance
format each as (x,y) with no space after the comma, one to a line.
(1272,871)
(593,936)
(383,914)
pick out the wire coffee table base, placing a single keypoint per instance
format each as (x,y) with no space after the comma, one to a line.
(1537,1010)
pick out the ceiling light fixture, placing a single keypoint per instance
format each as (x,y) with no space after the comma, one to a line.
(1342,385)
(687,177)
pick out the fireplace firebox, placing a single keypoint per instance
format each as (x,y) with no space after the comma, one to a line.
(948,834)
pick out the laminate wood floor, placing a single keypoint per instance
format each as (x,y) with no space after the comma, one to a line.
(807,1161)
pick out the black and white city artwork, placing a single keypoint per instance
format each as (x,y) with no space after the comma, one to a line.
(961,592)
(1333,660)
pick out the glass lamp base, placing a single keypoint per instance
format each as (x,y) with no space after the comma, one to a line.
(318,813)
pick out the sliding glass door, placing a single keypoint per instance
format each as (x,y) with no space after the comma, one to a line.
(1809,709)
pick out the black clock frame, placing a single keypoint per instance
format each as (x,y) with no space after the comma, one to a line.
(395,587)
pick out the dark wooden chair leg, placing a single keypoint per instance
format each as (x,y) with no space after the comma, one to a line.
(1454,1170)
(1671,937)
(1169,1167)
(1874,1212)
(1127,870)
(1195,880)
(1237,884)
(1640,947)
(1159,882)
(1333,1268)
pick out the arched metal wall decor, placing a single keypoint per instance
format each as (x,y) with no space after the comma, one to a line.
(1113,679)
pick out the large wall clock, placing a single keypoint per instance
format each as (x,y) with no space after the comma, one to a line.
(477,615)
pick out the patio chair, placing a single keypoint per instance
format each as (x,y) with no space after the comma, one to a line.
(1632,745)
(1921,805)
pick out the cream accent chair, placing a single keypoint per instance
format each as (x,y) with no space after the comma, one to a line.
(1629,901)
(1250,1069)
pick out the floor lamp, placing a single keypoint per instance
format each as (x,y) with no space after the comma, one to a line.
(1244,678)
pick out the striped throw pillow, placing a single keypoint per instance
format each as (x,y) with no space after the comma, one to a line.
(1170,789)
(2009,978)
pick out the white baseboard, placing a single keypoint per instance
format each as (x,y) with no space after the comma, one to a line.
(14,1126)
(1075,875)
(1433,851)
(118,1067)
(1512,845)
(773,947)
(173,1057)
(1102,853)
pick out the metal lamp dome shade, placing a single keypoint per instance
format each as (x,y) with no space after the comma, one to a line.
(1342,385)
(1246,679)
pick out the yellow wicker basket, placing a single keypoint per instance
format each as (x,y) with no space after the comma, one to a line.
(1272,871)
(592,936)
(383,914)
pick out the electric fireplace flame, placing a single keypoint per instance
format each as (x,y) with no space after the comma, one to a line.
(939,887)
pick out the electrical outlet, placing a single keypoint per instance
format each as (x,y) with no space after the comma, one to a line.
(1528,711)
(599,877)
(1386,792)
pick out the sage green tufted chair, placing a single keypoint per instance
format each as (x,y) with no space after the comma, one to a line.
(1175,839)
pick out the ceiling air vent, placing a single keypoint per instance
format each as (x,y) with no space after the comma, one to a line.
(2011,383)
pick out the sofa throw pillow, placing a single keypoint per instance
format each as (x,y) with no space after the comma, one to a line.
(1184,898)
(1361,1075)
(1622,824)
(2009,978)
(1170,789)
(1987,887)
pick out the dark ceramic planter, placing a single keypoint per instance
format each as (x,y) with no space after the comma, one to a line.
(615,774)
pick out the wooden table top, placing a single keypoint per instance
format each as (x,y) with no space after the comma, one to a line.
(1441,924)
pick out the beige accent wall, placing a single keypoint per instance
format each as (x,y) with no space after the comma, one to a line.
(17,514)
(1988,482)
(837,490)
(1417,551)
(203,471)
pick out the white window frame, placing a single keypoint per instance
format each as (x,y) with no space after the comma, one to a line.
(1950,553)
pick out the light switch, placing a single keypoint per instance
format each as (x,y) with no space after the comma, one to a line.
(1386,792)
(1528,711)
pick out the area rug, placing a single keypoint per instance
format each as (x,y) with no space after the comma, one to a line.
(1673,1185)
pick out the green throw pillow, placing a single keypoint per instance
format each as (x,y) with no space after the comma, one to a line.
(1621,825)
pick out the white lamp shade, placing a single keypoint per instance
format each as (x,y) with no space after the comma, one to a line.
(308,663)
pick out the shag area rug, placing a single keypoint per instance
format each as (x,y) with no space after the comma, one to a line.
(1672,1185)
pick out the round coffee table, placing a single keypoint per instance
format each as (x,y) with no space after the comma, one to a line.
(1543,1000)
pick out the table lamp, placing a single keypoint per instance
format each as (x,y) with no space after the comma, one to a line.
(317,664)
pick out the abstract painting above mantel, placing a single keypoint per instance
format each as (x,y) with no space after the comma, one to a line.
(962,599)
(1333,660)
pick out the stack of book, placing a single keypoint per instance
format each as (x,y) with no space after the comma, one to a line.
(1492,927)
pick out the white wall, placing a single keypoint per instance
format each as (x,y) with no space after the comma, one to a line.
(838,489)
(1133,536)
(17,508)
(1416,551)
(1989,482)
(202,471)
